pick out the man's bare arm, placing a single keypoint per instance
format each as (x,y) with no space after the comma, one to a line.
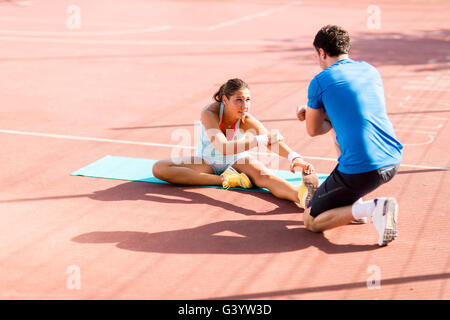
(317,122)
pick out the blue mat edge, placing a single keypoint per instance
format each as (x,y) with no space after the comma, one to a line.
(152,179)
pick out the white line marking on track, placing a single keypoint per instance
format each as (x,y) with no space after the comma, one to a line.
(63,22)
(415,126)
(429,88)
(59,136)
(145,42)
(261,14)
(430,140)
(84,33)
(415,131)
(141,30)
(438,80)
(417,100)
(415,117)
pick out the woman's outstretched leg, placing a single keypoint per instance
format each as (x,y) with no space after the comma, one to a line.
(263,178)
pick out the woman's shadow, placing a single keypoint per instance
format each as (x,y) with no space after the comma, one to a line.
(165,193)
(224,237)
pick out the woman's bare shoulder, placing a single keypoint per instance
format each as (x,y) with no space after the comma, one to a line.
(212,107)
(210,115)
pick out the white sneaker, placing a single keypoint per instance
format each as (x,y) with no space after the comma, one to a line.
(384,219)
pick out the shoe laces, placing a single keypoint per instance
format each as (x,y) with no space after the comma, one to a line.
(231,178)
(231,181)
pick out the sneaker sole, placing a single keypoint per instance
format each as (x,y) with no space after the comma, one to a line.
(311,182)
(359,221)
(390,211)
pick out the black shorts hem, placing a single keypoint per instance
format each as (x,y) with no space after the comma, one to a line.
(341,189)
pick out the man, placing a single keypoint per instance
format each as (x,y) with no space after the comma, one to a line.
(348,96)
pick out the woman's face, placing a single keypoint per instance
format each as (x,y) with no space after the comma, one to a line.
(239,103)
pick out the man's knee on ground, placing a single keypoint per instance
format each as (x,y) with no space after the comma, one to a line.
(311,226)
(309,221)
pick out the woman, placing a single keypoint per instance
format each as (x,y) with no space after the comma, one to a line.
(222,156)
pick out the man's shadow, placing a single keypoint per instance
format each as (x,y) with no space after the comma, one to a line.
(224,237)
(165,193)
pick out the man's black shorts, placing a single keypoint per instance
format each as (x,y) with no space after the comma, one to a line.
(341,189)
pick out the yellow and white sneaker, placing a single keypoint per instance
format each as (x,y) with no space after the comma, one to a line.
(232,178)
(309,185)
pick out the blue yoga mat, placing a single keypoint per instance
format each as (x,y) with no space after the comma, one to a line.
(137,169)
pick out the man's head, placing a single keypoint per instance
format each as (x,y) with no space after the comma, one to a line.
(331,43)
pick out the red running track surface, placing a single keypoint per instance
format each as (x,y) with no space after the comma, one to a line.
(140,71)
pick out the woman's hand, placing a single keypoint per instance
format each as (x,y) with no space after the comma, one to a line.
(305,167)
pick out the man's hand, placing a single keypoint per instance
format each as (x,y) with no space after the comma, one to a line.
(303,165)
(301,113)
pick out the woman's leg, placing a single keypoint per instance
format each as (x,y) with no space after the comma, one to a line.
(263,178)
(186,170)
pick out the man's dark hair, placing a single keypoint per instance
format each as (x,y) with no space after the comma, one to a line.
(333,39)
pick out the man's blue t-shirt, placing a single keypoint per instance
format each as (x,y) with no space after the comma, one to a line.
(352,94)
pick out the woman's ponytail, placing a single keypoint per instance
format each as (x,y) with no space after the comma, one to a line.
(229,88)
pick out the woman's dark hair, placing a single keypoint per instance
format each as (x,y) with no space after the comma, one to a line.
(229,88)
(333,39)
